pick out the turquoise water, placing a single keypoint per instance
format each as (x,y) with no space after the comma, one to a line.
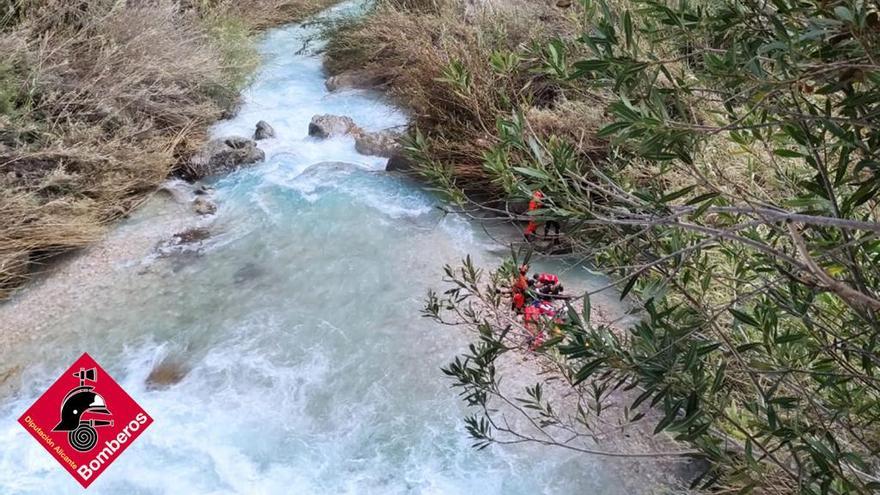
(308,367)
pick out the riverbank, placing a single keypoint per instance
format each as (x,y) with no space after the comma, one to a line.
(101,101)
(77,279)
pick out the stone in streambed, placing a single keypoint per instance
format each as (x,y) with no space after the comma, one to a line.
(358,79)
(221,156)
(180,191)
(325,126)
(186,242)
(249,271)
(382,143)
(263,131)
(204,206)
(165,373)
(202,190)
(191,236)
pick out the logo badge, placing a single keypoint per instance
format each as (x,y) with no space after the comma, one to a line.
(85,420)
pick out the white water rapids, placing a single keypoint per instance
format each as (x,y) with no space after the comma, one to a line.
(309,369)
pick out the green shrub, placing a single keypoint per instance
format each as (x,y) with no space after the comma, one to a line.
(738,207)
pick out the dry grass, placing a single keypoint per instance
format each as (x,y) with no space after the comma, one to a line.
(439,59)
(99,100)
(436,57)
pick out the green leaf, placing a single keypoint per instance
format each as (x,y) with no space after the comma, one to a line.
(677,194)
(592,65)
(744,317)
(532,172)
(613,128)
(641,398)
(666,421)
(749,346)
(787,153)
(628,287)
(788,338)
(719,377)
(586,313)
(587,370)
(843,13)
(702,197)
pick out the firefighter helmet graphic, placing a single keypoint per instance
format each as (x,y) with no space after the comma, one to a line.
(81,433)
(87,438)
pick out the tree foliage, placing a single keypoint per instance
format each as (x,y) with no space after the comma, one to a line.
(738,207)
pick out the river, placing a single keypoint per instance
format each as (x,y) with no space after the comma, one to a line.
(307,366)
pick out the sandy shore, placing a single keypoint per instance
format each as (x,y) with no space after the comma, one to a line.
(77,278)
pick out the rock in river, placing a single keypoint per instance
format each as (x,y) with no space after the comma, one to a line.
(382,143)
(204,206)
(223,156)
(166,373)
(355,79)
(324,126)
(263,131)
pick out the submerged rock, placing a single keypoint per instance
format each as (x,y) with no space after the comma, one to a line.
(249,271)
(6,378)
(324,126)
(263,131)
(223,156)
(190,236)
(165,373)
(204,206)
(185,243)
(179,190)
(358,79)
(202,190)
(382,143)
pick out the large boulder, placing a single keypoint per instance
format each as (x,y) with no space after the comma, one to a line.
(382,143)
(223,156)
(359,79)
(263,131)
(324,126)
